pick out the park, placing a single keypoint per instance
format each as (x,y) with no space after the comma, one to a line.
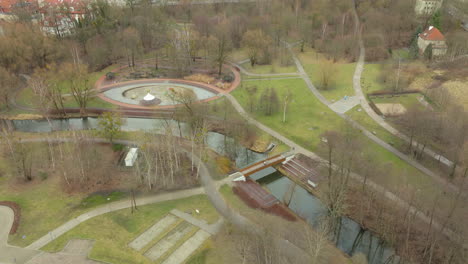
(208,132)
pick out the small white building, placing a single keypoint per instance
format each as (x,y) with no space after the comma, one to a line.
(131,157)
(432,36)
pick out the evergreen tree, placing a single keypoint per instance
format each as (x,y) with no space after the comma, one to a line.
(435,19)
(274,102)
(428,52)
(414,49)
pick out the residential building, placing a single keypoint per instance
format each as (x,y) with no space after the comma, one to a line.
(427,7)
(432,36)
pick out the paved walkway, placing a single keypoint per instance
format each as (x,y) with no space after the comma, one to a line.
(11,254)
(75,252)
(212,229)
(378,119)
(181,254)
(102,88)
(110,207)
(367,133)
(142,240)
(345,104)
(299,149)
(244,71)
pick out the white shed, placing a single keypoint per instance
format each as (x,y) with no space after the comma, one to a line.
(131,157)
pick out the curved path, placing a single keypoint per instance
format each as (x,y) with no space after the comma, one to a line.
(378,119)
(379,189)
(210,188)
(244,71)
(101,87)
(367,133)
(11,254)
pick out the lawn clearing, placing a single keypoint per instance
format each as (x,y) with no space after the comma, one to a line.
(342,81)
(308,119)
(391,109)
(113,231)
(273,68)
(405,100)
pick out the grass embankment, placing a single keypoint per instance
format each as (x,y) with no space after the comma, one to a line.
(114,231)
(307,119)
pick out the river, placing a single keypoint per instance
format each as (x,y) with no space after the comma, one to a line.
(351,238)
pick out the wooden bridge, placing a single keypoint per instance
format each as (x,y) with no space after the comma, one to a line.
(251,169)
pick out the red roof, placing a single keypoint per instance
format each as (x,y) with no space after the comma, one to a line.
(432,33)
(6,6)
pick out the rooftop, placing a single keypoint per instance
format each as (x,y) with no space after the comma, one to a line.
(432,33)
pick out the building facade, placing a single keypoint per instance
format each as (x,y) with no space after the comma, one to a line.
(432,36)
(427,7)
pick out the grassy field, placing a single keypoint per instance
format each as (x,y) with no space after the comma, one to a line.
(43,207)
(238,55)
(307,119)
(275,67)
(369,79)
(27,97)
(407,100)
(113,231)
(366,121)
(342,84)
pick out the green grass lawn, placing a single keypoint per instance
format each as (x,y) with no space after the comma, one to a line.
(275,67)
(342,83)
(43,208)
(366,121)
(407,100)
(307,119)
(238,55)
(400,53)
(113,231)
(93,102)
(369,78)
(27,97)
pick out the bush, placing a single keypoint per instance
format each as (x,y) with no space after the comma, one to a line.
(228,77)
(117,147)
(43,175)
(110,76)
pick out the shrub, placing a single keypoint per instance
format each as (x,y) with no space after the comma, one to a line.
(43,175)
(117,147)
(110,76)
(228,77)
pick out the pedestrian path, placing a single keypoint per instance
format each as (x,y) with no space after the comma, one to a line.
(345,104)
(174,237)
(141,241)
(11,254)
(187,248)
(75,252)
(169,241)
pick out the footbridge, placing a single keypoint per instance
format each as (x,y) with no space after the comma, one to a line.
(244,173)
